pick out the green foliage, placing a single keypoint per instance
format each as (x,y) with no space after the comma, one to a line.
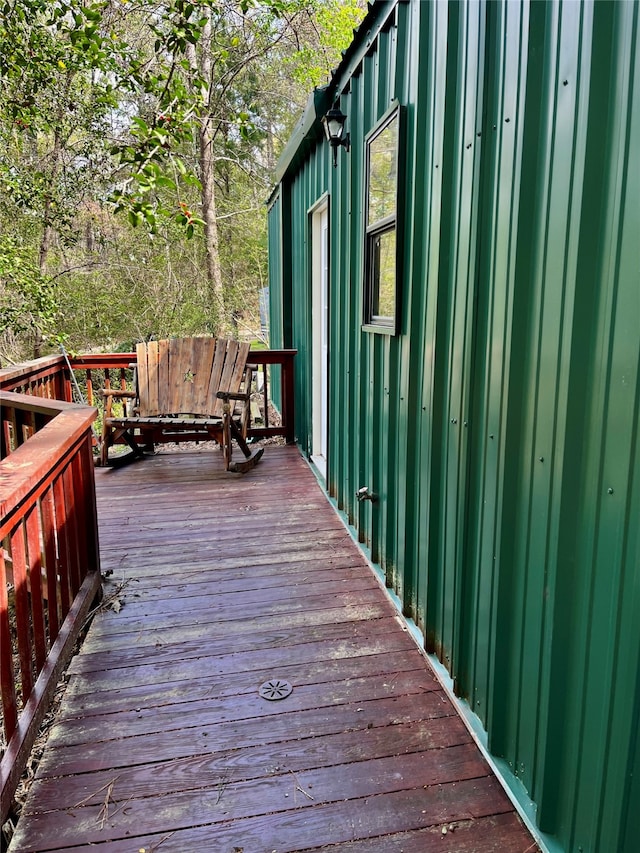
(101,107)
(334,23)
(28,299)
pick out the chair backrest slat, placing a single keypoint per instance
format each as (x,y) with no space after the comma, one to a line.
(239,368)
(143,379)
(181,375)
(216,374)
(163,376)
(203,357)
(152,377)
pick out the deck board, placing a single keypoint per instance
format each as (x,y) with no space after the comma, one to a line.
(162,741)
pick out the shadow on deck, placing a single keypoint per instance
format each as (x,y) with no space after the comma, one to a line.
(220,583)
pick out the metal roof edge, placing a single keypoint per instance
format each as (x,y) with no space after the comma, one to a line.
(321,98)
(306,127)
(375,19)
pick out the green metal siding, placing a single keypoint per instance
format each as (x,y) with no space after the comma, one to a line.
(499,429)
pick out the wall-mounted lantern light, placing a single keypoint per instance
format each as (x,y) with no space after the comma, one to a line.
(333,123)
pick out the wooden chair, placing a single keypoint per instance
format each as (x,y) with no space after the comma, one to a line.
(187,389)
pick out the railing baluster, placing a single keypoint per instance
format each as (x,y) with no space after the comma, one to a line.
(72,529)
(7,682)
(47,510)
(5,443)
(79,514)
(92,550)
(265,392)
(64,560)
(19,558)
(89,380)
(35,585)
(13,431)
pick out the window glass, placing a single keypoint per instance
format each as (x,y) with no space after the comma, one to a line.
(383,155)
(384,275)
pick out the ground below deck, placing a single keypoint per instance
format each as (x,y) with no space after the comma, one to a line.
(219,583)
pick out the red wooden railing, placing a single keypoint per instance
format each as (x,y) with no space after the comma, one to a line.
(49,562)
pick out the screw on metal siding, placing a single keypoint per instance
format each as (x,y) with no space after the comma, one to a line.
(491,436)
(542,458)
(610,490)
(454,420)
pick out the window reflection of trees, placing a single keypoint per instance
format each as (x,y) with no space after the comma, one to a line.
(385,301)
(383,174)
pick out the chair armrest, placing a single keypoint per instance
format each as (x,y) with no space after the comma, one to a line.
(227,395)
(116,392)
(109,393)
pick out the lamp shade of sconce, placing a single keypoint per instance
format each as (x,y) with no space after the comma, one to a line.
(334,122)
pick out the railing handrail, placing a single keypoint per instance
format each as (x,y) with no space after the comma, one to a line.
(100,360)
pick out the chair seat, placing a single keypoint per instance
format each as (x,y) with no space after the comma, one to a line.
(164,421)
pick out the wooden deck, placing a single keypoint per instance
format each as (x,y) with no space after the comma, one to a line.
(163,742)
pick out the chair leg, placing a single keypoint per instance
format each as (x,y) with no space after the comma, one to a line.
(104,448)
(242,444)
(247,464)
(133,444)
(110,435)
(227,425)
(252,456)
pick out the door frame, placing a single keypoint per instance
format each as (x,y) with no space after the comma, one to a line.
(320,296)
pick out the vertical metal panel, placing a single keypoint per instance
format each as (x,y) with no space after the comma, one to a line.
(499,429)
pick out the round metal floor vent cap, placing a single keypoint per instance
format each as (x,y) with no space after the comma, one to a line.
(275,689)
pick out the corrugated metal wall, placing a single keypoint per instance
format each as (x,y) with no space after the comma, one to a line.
(500,428)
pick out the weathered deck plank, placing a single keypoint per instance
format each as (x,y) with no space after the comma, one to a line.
(163,742)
